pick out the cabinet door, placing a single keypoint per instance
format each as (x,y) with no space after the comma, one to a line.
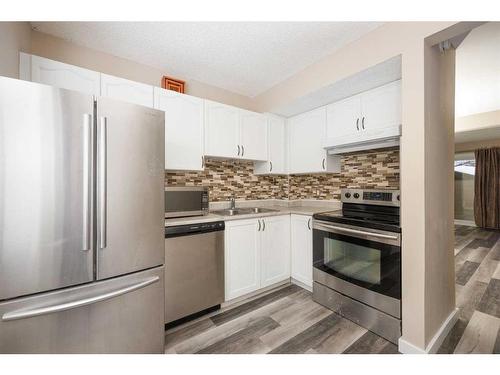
(306,135)
(277,142)
(183,129)
(301,245)
(381,107)
(242,257)
(64,76)
(222,130)
(344,117)
(126,90)
(275,249)
(253,135)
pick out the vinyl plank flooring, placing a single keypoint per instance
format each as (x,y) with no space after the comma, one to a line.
(490,302)
(451,341)
(496,274)
(291,328)
(466,272)
(468,298)
(309,338)
(495,251)
(207,338)
(174,337)
(253,305)
(477,255)
(245,341)
(479,335)
(370,343)
(344,334)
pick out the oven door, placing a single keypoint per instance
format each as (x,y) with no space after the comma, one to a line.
(364,264)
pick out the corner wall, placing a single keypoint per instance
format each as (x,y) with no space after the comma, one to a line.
(14,37)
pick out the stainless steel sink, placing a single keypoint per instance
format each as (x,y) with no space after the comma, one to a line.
(242,211)
(258,210)
(229,212)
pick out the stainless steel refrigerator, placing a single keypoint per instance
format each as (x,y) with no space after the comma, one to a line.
(81,223)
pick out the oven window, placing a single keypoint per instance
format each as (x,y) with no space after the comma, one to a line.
(353,261)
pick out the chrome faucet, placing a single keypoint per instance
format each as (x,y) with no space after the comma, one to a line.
(233,203)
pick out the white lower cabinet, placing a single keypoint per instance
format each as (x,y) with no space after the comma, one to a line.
(242,257)
(301,248)
(257,254)
(275,250)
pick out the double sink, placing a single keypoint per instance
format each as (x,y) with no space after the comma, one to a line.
(242,211)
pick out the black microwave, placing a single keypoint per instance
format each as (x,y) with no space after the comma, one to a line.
(183,201)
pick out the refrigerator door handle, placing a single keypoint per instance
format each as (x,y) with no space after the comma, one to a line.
(102,169)
(87,187)
(29,313)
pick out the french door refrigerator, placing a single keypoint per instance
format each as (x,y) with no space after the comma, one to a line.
(81,223)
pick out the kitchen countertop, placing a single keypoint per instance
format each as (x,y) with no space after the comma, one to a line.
(307,210)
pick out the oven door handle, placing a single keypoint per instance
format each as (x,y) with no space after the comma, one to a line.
(335,229)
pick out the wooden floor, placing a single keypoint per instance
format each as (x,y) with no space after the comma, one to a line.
(477,278)
(284,321)
(287,320)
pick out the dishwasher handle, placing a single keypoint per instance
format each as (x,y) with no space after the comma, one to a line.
(193,229)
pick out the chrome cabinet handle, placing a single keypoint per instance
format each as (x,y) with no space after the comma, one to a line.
(259,225)
(242,150)
(103,175)
(29,313)
(309,223)
(264,224)
(363,123)
(323,163)
(87,187)
(270,166)
(203,162)
(238,150)
(357,123)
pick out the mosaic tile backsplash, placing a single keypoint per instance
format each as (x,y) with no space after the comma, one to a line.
(227,178)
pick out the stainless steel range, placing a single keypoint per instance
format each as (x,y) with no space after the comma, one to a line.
(357,260)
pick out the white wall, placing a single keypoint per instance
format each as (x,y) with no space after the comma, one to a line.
(478,71)
(14,37)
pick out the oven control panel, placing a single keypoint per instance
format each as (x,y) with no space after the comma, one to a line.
(371,196)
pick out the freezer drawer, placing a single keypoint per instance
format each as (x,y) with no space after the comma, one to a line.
(121,315)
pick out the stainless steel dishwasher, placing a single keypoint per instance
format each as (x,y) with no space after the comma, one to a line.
(194,270)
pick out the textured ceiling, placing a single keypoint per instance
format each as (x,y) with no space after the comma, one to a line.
(247,58)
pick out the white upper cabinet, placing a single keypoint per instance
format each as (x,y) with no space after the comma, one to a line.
(306,134)
(366,117)
(184,119)
(126,90)
(301,249)
(275,250)
(57,74)
(232,132)
(343,117)
(253,135)
(222,130)
(276,148)
(381,107)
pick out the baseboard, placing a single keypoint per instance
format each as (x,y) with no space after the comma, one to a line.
(469,223)
(406,347)
(301,284)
